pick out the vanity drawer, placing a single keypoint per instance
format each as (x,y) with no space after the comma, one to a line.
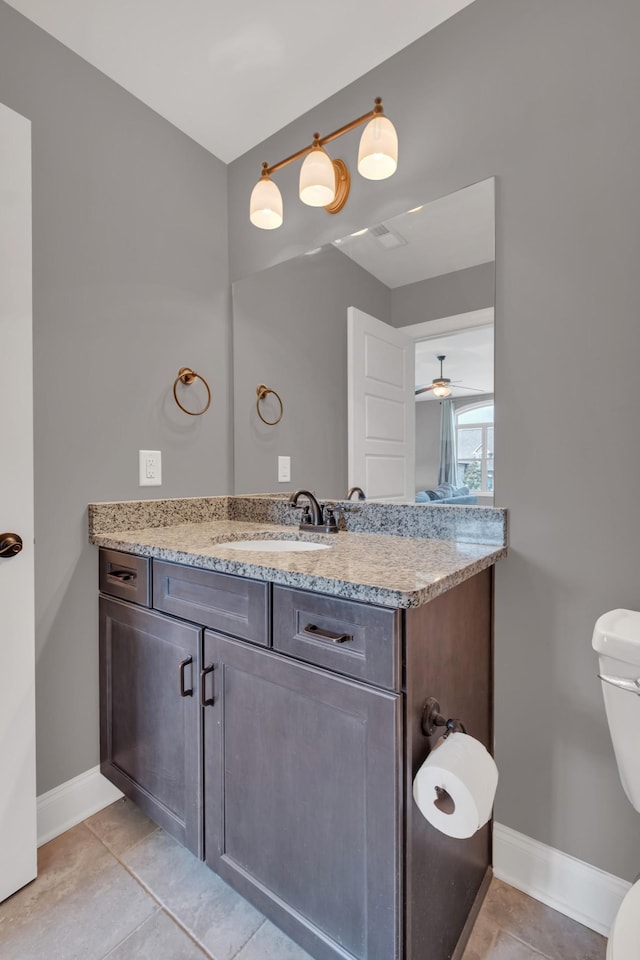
(125,576)
(230,604)
(347,637)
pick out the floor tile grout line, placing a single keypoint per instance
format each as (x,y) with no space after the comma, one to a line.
(131,933)
(114,862)
(118,857)
(165,909)
(525,943)
(159,907)
(195,942)
(156,899)
(150,893)
(137,843)
(249,939)
(162,906)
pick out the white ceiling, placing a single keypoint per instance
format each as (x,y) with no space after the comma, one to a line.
(452,233)
(231,74)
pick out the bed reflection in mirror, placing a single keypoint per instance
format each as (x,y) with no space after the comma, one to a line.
(402,429)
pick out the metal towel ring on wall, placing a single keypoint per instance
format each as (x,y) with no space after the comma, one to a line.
(262,391)
(187,376)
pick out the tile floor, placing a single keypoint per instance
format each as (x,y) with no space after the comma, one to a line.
(118,887)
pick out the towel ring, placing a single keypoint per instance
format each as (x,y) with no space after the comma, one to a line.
(187,376)
(262,391)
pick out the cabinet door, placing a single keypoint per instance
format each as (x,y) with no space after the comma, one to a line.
(150,739)
(302,780)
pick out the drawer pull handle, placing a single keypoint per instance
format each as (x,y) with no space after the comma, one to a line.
(312,630)
(123,575)
(206,701)
(181,668)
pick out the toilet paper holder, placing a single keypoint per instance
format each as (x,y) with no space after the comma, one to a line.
(432,719)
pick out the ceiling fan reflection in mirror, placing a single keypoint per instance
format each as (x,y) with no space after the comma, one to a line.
(442,386)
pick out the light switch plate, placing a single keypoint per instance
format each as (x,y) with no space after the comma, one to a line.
(150,467)
(284,469)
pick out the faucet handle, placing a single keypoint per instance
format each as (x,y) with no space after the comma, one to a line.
(306,515)
(329,517)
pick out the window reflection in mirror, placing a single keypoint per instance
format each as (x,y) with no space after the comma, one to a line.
(474,432)
(430,272)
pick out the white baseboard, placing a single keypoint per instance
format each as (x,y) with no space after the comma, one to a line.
(73,801)
(572,887)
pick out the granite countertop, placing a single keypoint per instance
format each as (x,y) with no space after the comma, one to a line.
(378,568)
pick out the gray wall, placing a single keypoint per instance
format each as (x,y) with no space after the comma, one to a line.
(130,282)
(544,96)
(290,333)
(446,296)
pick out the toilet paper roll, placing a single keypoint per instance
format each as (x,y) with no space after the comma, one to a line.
(461,766)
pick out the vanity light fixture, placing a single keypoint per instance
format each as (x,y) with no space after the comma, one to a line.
(325,182)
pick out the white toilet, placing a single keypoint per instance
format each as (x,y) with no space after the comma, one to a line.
(616,638)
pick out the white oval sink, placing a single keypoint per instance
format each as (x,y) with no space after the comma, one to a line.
(276,546)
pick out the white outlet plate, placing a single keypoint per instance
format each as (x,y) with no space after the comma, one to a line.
(284,469)
(150,468)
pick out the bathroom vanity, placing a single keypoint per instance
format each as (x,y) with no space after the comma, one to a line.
(275,728)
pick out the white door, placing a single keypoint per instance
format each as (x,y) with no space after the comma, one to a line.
(381,393)
(17,658)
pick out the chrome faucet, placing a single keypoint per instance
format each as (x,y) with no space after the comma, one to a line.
(314,513)
(359,491)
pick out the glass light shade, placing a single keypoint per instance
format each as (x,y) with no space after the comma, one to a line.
(317,179)
(265,207)
(378,153)
(443,390)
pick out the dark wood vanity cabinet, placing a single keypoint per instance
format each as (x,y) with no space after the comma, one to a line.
(302,798)
(276,733)
(150,725)
(150,666)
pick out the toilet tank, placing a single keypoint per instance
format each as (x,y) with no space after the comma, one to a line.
(616,638)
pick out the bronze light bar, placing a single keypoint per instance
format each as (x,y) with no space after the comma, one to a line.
(320,141)
(323,181)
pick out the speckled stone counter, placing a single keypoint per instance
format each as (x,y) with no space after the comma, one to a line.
(403,568)
(470,524)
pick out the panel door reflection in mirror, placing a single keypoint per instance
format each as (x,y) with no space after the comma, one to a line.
(431,271)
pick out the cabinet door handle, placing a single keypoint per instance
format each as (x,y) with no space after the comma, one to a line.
(123,575)
(181,668)
(312,630)
(205,701)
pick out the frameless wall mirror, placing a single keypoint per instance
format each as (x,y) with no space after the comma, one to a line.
(428,276)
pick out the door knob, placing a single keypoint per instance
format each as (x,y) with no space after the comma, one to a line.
(10,544)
